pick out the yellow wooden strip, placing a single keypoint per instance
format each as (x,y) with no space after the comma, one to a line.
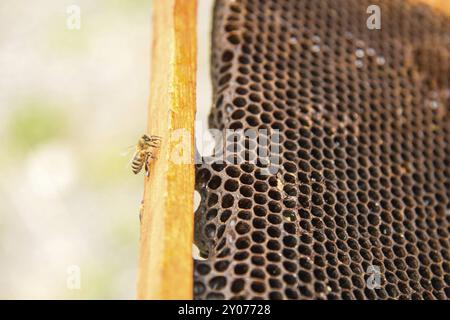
(165,267)
(441,5)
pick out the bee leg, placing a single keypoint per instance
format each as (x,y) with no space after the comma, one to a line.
(147,169)
(153,157)
(157,140)
(154,144)
(152,138)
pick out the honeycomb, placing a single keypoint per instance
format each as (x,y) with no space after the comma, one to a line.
(364,175)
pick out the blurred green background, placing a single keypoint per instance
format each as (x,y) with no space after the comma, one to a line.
(71,103)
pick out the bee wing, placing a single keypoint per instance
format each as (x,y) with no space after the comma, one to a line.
(131,159)
(127,151)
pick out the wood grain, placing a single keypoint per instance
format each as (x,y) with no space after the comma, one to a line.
(441,5)
(165,266)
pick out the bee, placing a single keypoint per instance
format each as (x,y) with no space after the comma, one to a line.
(144,153)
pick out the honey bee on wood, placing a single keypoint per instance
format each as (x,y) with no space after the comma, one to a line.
(144,153)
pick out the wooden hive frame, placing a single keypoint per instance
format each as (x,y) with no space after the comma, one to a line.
(166,267)
(441,5)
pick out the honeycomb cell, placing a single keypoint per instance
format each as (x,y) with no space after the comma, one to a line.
(363,178)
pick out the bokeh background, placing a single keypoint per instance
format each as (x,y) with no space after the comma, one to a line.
(72,102)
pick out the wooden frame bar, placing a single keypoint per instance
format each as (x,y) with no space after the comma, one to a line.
(441,5)
(165,266)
